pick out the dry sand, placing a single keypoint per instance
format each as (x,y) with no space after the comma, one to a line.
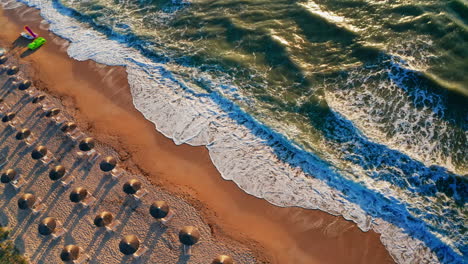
(102,247)
(99,98)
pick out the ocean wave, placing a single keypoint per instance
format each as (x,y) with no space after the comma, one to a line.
(394,105)
(259,160)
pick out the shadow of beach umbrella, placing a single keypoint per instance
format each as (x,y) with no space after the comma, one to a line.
(8,176)
(223,259)
(68,127)
(23,134)
(132,186)
(159,209)
(13,70)
(53,112)
(86,144)
(57,172)
(108,164)
(3,59)
(38,98)
(47,226)
(70,253)
(129,244)
(103,219)
(8,117)
(78,194)
(189,235)
(24,85)
(26,201)
(39,152)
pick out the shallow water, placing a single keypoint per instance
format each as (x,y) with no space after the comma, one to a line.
(356,108)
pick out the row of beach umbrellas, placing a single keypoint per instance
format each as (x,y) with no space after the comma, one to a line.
(128,245)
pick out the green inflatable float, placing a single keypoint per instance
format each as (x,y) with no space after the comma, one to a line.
(36,43)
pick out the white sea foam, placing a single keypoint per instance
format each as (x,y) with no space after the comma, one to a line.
(387,114)
(317,10)
(243,150)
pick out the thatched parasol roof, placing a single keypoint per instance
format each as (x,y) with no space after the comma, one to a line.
(189,235)
(108,164)
(8,117)
(38,98)
(24,85)
(87,144)
(39,152)
(26,201)
(13,70)
(103,219)
(57,172)
(78,194)
(53,112)
(70,253)
(47,226)
(8,176)
(132,186)
(159,209)
(129,244)
(68,127)
(223,259)
(23,134)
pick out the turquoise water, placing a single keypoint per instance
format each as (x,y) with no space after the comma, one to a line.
(376,90)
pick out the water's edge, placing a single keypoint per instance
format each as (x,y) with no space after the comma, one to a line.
(239,146)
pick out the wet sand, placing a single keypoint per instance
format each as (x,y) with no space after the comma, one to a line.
(99,98)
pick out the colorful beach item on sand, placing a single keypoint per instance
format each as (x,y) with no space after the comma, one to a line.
(29,34)
(36,43)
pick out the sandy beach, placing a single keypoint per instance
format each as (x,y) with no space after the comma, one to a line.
(98,98)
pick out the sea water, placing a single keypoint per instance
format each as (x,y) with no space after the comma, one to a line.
(355,107)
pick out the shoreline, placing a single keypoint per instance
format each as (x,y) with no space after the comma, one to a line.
(226,208)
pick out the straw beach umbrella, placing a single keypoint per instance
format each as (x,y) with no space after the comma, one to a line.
(70,253)
(129,245)
(87,144)
(47,226)
(24,85)
(132,186)
(39,152)
(103,219)
(8,176)
(8,117)
(53,112)
(159,209)
(78,194)
(223,259)
(38,98)
(57,173)
(13,70)
(189,235)
(108,164)
(68,127)
(26,201)
(23,134)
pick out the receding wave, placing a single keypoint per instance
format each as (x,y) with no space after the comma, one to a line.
(322,105)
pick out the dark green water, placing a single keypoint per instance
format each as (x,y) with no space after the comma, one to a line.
(291,61)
